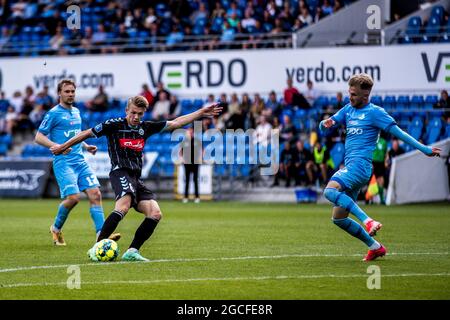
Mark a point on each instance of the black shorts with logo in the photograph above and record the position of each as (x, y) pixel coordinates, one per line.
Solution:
(125, 181)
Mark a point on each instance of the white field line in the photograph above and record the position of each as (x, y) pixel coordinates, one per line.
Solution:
(137, 282)
(215, 259)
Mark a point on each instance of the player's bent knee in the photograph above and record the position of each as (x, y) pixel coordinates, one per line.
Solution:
(156, 215)
(73, 199)
(124, 209)
(95, 196)
(331, 194)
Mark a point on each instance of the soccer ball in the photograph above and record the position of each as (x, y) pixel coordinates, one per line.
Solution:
(106, 250)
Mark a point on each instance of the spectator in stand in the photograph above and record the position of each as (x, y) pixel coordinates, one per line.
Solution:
(175, 107)
(286, 16)
(228, 35)
(289, 93)
(257, 106)
(287, 169)
(337, 6)
(160, 88)
(320, 161)
(37, 115)
(234, 106)
(274, 105)
(304, 165)
(86, 41)
(150, 18)
(288, 133)
(121, 38)
(10, 120)
(327, 9)
(262, 132)
(293, 98)
(100, 101)
(46, 99)
(199, 15)
(147, 93)
(444, 103)
(17, 102)
(4, 39)
(236, 118)
(209, 99)
(224, 102)
(218, 12)
(176, 36)
(57, 40)
(311, 93)
(339, 101)
(248, 21)
(304, 17)
(234, 21)
(318, 15)
(161, 108)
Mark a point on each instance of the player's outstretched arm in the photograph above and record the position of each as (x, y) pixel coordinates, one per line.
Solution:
(83, 135)
(402, 135)
(209, 111)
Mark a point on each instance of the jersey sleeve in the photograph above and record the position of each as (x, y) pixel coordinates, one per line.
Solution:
(104, 128)
(382, 119)
(152, 127)
(47, 124)
(339, 117)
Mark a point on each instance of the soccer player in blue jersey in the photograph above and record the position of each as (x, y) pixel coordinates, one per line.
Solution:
(72, 172)
(363, 121)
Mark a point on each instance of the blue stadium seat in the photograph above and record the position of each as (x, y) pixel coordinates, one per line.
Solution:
(337, 154)
(446, 132)
(438, 12)
(413, 28)
(431, 99)
(3, 149)
(415, 127)
(432, 30)
(377, 100)
(433, 132)
(6, 139)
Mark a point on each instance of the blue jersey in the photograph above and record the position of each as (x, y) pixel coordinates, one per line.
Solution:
(363, 128)
(61, 124)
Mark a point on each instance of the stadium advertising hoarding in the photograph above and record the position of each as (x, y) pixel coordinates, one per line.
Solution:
(23, 179)
(101, 163)
(394, 68)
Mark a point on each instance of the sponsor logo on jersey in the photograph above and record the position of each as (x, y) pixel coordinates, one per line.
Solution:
(133, 144)
(352, 131)
(71, 133)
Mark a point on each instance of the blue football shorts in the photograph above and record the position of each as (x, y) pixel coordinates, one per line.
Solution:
(74, 178)
(355, 175)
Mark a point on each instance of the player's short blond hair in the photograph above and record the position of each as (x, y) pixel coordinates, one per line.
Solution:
(138, 101)
(362, 81)
(63, 82)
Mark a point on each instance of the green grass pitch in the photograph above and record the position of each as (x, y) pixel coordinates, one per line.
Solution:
(227, 250)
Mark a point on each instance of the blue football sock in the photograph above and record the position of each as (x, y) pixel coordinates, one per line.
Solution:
(98, 217)
(355, 229)
(61, 217)
(344, 201)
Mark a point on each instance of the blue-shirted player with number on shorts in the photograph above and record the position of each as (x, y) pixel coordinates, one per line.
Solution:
(72, 172)
(363, 121)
